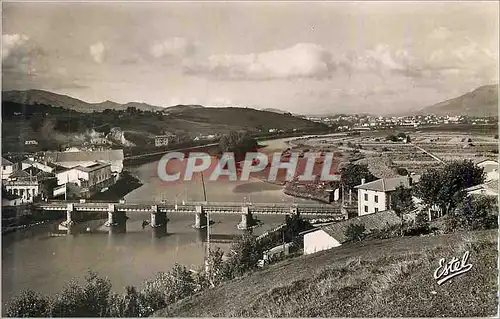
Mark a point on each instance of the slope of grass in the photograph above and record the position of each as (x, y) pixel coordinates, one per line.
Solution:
(388, 278)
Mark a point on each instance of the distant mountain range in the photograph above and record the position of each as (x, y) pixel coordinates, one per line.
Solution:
(32, 97)
(483, 101)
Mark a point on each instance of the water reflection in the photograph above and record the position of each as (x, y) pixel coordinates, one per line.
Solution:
(119, 228)
(158, 232)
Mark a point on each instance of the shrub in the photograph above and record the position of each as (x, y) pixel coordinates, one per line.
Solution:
(28, 304)
(246, 252)
(473, 213)
(355, 232)
(402, 171)
(388, 231)
(391, 138)
(92, 300)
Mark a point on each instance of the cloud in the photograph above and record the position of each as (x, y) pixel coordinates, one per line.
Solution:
(19, 53)
(380, 60)
(303, 60)
(11, 42)
(97, 51)
(173, 47)
(440, 33)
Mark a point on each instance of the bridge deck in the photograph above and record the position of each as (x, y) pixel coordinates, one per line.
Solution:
(212, 207)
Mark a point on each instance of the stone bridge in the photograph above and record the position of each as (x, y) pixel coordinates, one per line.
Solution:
(117, 211)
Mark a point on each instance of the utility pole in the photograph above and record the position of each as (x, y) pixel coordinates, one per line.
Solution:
(207, 255)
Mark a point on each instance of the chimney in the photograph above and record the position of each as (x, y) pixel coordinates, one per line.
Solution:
(362, 181)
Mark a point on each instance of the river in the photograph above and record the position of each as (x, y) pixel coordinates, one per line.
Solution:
(44, 259)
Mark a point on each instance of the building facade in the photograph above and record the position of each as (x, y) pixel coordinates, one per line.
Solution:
(7, 168)
(90, 179)
(375, 196)
(318, 240)
(334, 234)
(26, 189)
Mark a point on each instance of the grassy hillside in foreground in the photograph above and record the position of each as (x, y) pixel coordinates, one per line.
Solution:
(387, 278)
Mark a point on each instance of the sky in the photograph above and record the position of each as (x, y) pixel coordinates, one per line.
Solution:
(303, 57)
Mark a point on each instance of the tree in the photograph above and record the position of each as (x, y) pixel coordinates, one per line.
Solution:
(355, 232)
(391, 138)
(402, 202)
(441, 186)
(28, 304)
(173, 286)
(92, 300)
(473, 213)
(351, 175)
(246, 252)
(402, 171)
(238, 143)
(218, 269)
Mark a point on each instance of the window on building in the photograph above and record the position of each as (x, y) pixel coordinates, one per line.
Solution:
(376, 209)
(366, 197)
(376, 198)
(366, 209)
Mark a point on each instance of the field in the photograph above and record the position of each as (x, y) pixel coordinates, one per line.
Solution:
(386, 278)
(426, 149)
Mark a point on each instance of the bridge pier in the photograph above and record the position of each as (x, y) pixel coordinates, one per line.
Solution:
(70, 209)
(200, 218)
(246, 218)
(111, 215)
(158, 219)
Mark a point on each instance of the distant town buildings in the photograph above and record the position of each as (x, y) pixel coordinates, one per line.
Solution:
(368, 122)
(162, 140)
(31, 142)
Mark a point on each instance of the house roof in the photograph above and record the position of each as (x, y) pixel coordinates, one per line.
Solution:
(491, 186)
(93, 167)
(488, 165)
(6, 162)
(389, 184)
(81, 156)
(371, 221)
(32, 170)
(20, 174)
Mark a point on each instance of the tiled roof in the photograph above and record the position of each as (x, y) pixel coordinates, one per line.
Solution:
(94, 167)
(491, 186)
(20, 174)
(389, 184)
(32, 170)
(371, 221)
(6, 162)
